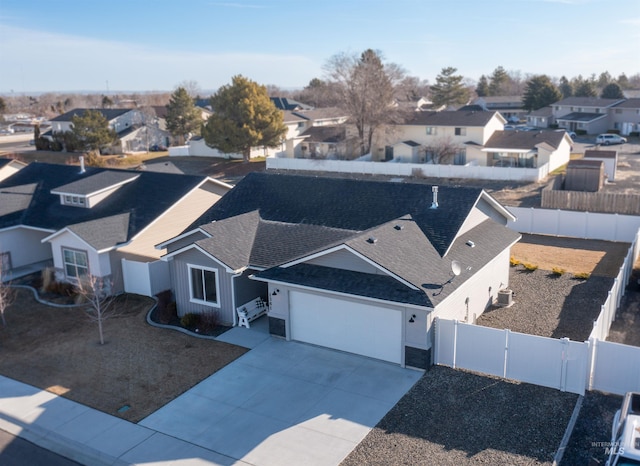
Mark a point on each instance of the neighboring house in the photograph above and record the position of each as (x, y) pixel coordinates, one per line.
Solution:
(625, 116)
(134, 133)
(524, 149)
(360, 266)
(285, 103)
(9, 166)
(509, 106)
(584, 115)
(433, 129)
(323, 142)
(93, 220)
(541, 118)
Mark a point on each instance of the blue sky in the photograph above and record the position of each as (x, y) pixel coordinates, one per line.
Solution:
(155, 45)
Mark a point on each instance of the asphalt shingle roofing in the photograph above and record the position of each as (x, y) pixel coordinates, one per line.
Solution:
(268, 220)
(524, 139)
(142, 200)
(582, 116)
(449, 118)
(108, 113)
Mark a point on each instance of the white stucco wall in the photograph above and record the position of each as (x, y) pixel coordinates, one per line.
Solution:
(25, 246)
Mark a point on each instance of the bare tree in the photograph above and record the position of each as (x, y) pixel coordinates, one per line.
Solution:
(96, 292)
(442, 151)
(367, 89)
(6, 294)
(192, 87)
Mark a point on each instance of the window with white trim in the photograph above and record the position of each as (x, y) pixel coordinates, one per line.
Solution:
(75, 262)
(203, 285)
(461, 131)
(432, 130)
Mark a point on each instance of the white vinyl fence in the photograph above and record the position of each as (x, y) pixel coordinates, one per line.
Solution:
(408, 169)
(563, 364)
(145, 278)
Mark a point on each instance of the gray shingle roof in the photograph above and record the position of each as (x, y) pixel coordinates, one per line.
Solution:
(96, 182)
(449, 118)
(108, 113)
(629, 103)
(103, 232)
(327, 134)
(144, 199)
(600, 154)
(587, 102)
(524, 139)
(583, 117)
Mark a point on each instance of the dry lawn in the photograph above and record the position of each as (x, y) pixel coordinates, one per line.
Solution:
(600, 258)
(139, 366)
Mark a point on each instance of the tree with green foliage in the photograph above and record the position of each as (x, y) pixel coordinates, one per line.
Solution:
(449, 88)
(90, 131)
(498, 81)
(623, 81)
(482, 89)
(585, 88)
(106, 102)
(540, 92)
(565, 87)
(612, 91)
(604, 79)
(183, 118)
(243, 117)
(3, 106)
(368, 89)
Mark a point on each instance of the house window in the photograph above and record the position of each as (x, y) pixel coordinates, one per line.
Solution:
(73, 200)
(203, 285)
(76, 264)
(431, 130)
(301, 124)
(461, 131)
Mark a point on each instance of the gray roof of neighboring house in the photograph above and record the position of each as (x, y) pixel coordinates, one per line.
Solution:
(289, 116)
(600, 154)
(108, 113)
(629, 103)
(524, 139)
(321, 113)
(327, 134)
(269, 219)
(582, 163)
(449, 118)
(500, 99)
(285, 103)
(583, 117)
(542, 112)
(587, 102)
(141, 201)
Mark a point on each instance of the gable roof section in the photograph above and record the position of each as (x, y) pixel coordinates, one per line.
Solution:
(101, 233)
(16, 199)
(524, 140)
(582, 117)
(109, 113)
(450, 118)
(144, 199)
(633, 103)
(588, 102)
(326, 134)
(96, 183)
(341, 203)
(284, 103)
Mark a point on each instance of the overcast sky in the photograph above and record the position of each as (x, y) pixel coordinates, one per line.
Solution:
(154, 45)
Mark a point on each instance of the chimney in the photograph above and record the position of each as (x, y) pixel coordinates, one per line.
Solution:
(434, 190)
(82, 170)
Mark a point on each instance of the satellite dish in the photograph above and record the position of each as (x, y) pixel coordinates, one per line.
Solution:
(456, 268)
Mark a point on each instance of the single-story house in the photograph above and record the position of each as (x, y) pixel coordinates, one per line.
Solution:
(91, 221)
(524, 149)
(359, 266)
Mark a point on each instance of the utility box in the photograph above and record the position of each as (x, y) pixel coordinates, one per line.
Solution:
(505, 298)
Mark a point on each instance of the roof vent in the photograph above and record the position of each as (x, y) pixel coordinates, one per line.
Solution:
(399, 227)
(372, 240)
(82, 169)
(471, 244)
(434, 203)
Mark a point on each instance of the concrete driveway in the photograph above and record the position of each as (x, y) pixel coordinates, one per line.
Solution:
(285, 403)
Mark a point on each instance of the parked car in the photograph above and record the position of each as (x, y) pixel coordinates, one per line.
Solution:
(157, 148)
(571, 134)
(624, 448)
(607, 139)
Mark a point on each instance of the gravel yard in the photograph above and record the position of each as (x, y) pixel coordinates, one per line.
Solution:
(454, 417)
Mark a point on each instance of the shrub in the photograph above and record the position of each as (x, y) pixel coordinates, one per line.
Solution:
(166, 308)
(190, 320)
(557, 271)
(582, 275)
(209, 321)
(530, 267)
(514, 262)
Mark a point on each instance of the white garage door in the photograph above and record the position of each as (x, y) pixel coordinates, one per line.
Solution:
(348, 326)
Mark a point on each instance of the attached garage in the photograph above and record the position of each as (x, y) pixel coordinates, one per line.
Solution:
(351, 326)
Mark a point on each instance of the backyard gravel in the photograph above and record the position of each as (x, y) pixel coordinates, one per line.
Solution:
(454, 417)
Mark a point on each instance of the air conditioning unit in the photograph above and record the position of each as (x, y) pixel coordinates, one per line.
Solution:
(505, 298)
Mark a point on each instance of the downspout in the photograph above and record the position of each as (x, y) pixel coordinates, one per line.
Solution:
(233, 297)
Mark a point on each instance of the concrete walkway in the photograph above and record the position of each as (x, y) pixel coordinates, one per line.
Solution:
(282, 403)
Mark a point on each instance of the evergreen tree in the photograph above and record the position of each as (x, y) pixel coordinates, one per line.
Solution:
(498, 81)
(183, 118)
(585, 88)
(243, 117)
(623, 81)
(566, 89)
(540, 92)
(90, 132)
(612, 91)
(449, 89)
(482, 89)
